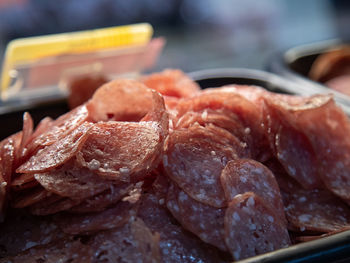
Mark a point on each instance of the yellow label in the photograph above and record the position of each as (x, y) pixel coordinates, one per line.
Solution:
(26, 50)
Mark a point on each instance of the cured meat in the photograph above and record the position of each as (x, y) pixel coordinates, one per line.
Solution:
(176, 244)
(252, 228)
(128, 178)
(112, 217)
(227, 99)
(27, 132)
(120, 100)
(23, 181)
(100, 201)
(58, 153)
(29, 198)
(292, 147)
(121, 150)
(82, 89)
(42, 127)
(7, 159)
(244, 175)
(22, 231)
(316, 210)
(204, 221)
(171, 82)
(194, 160)
(52, 205)
(63, 250)
(329, 138)
(131, 243)
(134, 148)
(58, 129)
(72, 181)
(220, 118)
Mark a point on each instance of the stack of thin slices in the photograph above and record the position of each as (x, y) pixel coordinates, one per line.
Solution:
(157, 170)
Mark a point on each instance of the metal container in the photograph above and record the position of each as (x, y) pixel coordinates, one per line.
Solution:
(334, 248)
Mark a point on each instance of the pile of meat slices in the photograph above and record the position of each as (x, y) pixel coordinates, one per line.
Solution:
(157, 170)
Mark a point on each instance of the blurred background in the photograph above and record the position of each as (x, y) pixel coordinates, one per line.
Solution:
(200, 33)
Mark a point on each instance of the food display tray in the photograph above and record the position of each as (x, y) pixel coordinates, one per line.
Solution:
(335, 248)
(295, 64)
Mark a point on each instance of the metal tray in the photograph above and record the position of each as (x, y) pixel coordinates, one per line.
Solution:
(295, 63)
(335, 248)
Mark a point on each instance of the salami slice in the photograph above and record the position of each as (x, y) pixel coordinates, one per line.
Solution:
(316, 210)
(22, 231)
(220, 118)
(58, 129)
(113, 217)
(328, 137)
(7, 159)
(100, 201)
(29, 198)
(176, 244)
(64, 250)
(120, 100)
(43, 126)
(72, 181)
(227, 99)
(252, 228)
(292, 147)
(119, 150)
(171, 82)
(27, 132)
(332, 145)
(204, 221)
(245, 175)
(127, 150)
(58, 153)
(57, 204)
(23, 181)
(131, 243)
(195, 158)
(81, 89)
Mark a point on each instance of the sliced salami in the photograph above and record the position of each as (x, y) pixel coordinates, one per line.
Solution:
(58, 153)
(328, 137)
(316, 210)
(292, 147)
(23, 181)
(171, 82)
(60, 204)
(131, 243)
(29, 198)
(27, 133)
(58, 129)
(252, 228)
(113, 217)
(72, 181)
(7, 159)
(121, 150)
(120, 100)
(176, 244)
(101, 201)
(220, 118)
(204, 221)
(195, 158)
(127, 150)
(43, 126)
(245, 175)
(22, 231)
(227, 99)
